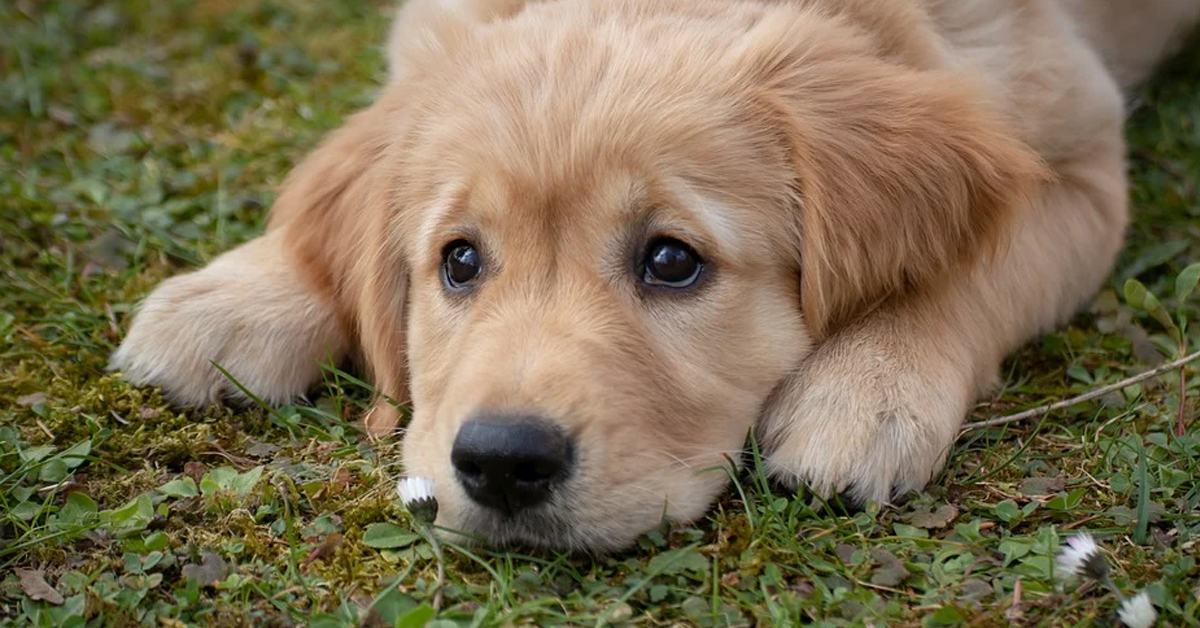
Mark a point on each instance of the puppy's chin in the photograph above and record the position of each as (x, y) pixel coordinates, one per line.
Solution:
(544, 528)
(571, 522)
(551, 526)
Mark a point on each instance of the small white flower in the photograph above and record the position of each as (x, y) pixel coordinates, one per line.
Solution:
(1083, 557)
(412, 489)
(417, 495)
(1137, 611)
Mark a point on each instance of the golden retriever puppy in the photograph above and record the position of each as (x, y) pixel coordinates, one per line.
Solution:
(595, 242)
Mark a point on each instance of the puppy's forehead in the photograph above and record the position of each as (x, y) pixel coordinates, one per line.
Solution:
(498, 199)
(528, 144)
(499, 196)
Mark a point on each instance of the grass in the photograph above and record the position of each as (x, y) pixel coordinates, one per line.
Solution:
(142, 137)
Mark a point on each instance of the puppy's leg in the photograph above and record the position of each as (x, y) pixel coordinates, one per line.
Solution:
(875, 410)
(249, 311)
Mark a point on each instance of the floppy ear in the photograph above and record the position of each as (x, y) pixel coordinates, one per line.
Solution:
(382, 302)
(902, 174)
(332, 210)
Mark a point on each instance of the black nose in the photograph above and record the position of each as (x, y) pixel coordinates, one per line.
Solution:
(510, 463)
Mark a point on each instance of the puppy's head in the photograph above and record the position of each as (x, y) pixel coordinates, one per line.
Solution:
(594, 242)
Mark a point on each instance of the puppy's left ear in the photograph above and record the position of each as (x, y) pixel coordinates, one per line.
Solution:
(335, 213)
(902, 174)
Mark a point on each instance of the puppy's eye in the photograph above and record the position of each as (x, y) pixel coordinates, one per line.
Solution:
(461, 264)
(671, 263)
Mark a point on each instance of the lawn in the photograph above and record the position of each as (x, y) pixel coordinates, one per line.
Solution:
(139, 138)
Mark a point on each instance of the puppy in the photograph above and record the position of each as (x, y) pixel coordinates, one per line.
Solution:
(595, 242)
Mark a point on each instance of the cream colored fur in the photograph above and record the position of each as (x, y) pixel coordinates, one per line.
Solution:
(893, 195)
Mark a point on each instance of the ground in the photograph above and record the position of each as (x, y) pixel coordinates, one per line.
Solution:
(139, 138)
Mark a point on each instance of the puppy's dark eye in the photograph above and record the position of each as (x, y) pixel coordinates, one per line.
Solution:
(671, 263)
(461, 264)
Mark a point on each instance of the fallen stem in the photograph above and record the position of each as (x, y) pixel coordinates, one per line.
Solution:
(1088, 396)
(1181, 423)
(431, 536)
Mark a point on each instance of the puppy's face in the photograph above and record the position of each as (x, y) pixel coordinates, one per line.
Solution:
(586, 349)
(597, 308)
(593, 230)
(597, 304)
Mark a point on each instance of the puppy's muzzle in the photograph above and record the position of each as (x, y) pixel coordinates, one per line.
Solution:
(510, 463)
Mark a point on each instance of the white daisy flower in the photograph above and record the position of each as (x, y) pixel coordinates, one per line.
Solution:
(417, 495)
(1082, 557)
(1137, 611)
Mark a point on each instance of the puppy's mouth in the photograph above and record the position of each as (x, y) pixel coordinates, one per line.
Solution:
(546, 527)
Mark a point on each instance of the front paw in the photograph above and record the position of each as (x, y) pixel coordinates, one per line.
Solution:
(868, 414)
(177, 335)
(247, 312)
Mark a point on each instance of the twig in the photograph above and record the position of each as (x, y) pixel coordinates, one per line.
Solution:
(45, 429)
(1076, 524)
(55, 487)
(112, 321)
(1088, 396)
(1014, 613)
(1181, 423)
(245, 463)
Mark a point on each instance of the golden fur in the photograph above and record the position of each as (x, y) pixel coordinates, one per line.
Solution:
(891, 196)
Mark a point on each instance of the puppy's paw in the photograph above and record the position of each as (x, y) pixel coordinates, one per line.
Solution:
(868, 415)
(247, 312)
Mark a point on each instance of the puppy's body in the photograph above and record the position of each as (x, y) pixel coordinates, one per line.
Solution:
(885, 198)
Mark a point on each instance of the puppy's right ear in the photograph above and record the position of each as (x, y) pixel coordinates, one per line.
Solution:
(333, 210)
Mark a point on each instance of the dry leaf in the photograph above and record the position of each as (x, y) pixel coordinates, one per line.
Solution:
(259, 449)
(976, 589)
(33, 583)
(1042, 485)
(325, 550)
(211, 570)
(1144, 348)
(891, 570)
(939, 518)
(804, 588)
(31, 400)
(195, 470)
(845, 553)
(62, 116)
(341, 478)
